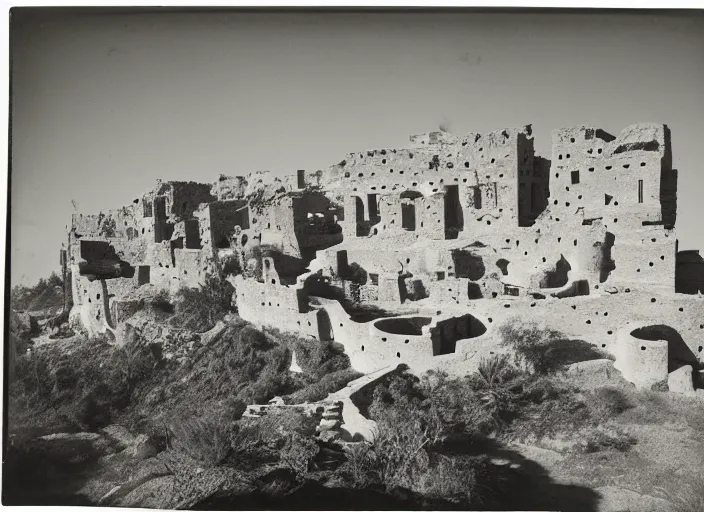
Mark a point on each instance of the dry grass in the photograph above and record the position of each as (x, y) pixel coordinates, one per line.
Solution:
(689, 497)
(204, 438)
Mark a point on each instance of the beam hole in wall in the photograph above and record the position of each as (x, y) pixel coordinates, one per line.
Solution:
(652, 300)
(608, 167)
(589, 321)
(626, 166)
(398, 354)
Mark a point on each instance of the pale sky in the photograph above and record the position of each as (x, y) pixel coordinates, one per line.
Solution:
(104, 104)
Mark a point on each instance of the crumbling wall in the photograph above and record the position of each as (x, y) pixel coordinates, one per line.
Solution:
(485, 169)
(186, 196)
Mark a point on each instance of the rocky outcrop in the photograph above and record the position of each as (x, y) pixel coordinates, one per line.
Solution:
(595, 373)
(681, 381)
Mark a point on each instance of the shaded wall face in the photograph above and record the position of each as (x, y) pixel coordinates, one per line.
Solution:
(224, 216)
(315, 223)
(689, 273)
(186, 197)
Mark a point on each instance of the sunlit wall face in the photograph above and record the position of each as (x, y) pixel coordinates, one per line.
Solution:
(104, 104)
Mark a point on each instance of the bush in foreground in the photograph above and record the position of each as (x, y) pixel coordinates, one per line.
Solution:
(199, 309)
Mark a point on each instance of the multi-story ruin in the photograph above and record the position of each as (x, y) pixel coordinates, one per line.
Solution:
(418, 255)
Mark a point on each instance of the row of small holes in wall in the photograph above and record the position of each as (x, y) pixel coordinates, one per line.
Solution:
(384, 339)
(651, 264)
(415, 184)
(298, 322)
(431, 165)
(398, 354)
(606, 167)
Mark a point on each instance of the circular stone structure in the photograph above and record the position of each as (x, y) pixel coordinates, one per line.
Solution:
(409, 326)
(641, 357)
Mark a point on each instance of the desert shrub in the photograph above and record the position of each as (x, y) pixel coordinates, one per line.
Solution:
(33, 381)
(453, 478)
(689, 496)
(204, 438)
(548, 406)
(199, 309)
(329, 383)
(359, 464)
(536, 347)
(498, 386)
(648, 407)
(315, 357)
(298, 453)
(356, 274)
(231, 265)
(607, 402)
(242, 363)
(283, 422)
(459, 406)
(270, 437)
(601, 438)
(85, 385)
(407, 427)
(481, 403)
(661, 386)
(46, 293)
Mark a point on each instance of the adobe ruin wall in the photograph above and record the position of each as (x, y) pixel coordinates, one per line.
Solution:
(465, 232)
